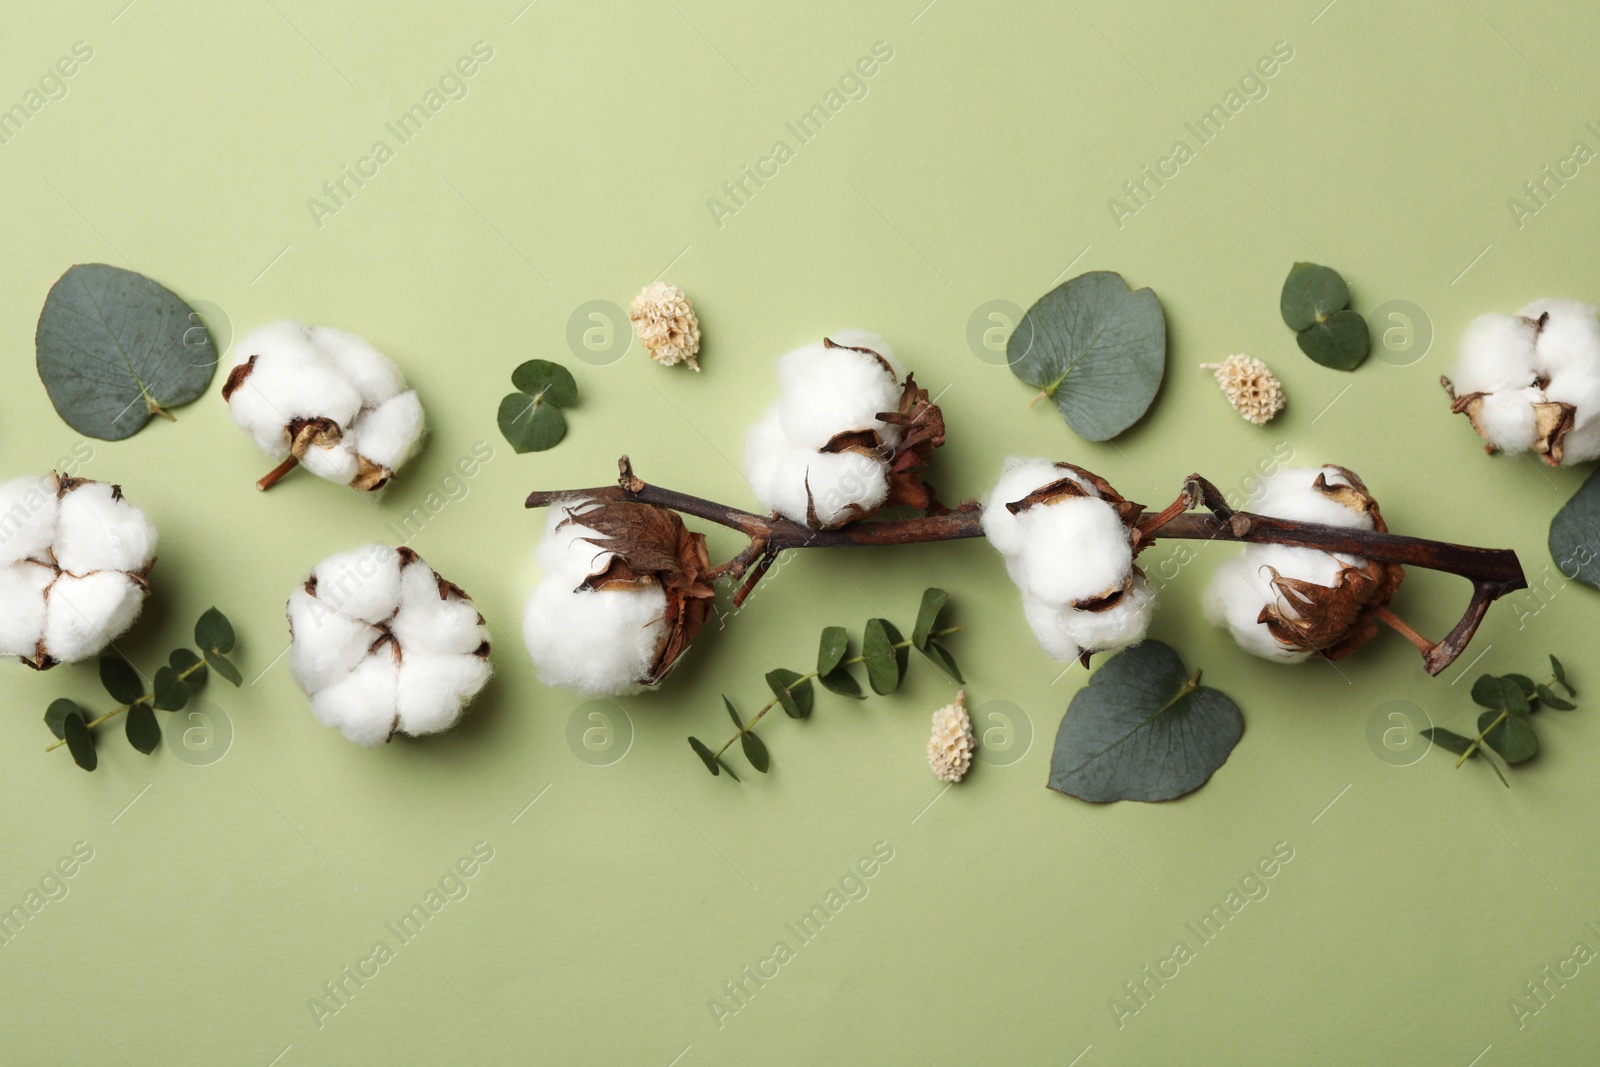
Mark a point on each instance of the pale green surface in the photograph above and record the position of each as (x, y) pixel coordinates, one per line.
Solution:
(978, 168)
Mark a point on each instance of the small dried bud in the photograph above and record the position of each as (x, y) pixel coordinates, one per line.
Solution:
(952, 744)
(665, 321)
(1250, 387)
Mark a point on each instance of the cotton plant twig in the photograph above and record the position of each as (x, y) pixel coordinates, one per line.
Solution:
(1492, 572)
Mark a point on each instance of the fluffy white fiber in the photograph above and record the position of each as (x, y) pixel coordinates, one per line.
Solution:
(382, 645)
(287, 374)
(824, 392)
(1242, 587)
(1073, 548)
(73, 561)
(594, 642)
(1548, 353)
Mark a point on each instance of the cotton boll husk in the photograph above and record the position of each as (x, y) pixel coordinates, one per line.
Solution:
(97, 530)
(326, 645)
(432, 625)
(1496, 353)
(363, 583)
(1018, 478)
(432, 690)
(1242, 586)
(1290, 493)
(563, 551)
(27, 518)
(22, 587)
(855, 337)
(836, 480)
(595, 643)
(85, 613)
(1073, 549)
(362, 704)
(827, 391)
(373, 374)
(389, 434)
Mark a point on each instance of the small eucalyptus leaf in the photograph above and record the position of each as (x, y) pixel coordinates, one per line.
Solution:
(705, 755)
(57, 713)
(220, 663)
(80, 742)
(933, 601)
(1548, 696)
(1513, 738)
(114, 348)
(144, 733)
(120, 679)
(531, 423)
(1311, 293)
(732, 714)
(181, 660)
(841, 681)
(1499, 694)
(941, 657)
(885, 663)
(835, 642)
(796, 699)
(755, 750)
(170, 692)
(1342, 342)
(1450, 741)
(213, 631)
(550, 381)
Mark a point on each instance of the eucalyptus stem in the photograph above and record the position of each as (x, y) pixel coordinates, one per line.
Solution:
(1477, 742)
(749, 727)
(149, 697)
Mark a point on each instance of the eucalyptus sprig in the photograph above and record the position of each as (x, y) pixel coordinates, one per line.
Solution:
(1505, 726)
(169, 690)
(883, 651)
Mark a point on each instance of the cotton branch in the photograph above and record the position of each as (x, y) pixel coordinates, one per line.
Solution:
(1492, 572)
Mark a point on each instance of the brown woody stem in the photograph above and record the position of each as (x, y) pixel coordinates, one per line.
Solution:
(1493, 572)
(275, 475)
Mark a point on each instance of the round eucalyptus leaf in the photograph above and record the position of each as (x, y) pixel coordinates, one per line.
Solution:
(144, 733)
(1340, 342)
(1575, 537)
(114, 347)
(1097, 349)
(1513, 738)
(552, 381)
(1143, 729)
(1312, 293)
(213, 631)
(530, 423)
(80, 742)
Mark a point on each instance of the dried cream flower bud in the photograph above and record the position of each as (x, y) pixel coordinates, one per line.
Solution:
(951, 746)
(1250, 387)
(664, 319)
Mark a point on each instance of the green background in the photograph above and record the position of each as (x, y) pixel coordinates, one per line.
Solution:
(977, 168)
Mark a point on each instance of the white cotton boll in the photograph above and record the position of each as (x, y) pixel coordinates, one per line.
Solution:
(325, 645)
(765, 448)
(84, 614)
(563, 550)
(97, 530)
(431, 624)
(1048, 623)
(336, 462)
(1506, 419)
(1065, 633)
(291, 379)
(1582, 444)
(1569, 338)
(1018, 478)
(389, 435)
(827, 391)
(362, 704)
(363, 583)
(1496, 353)
(22, 593)
(594, 643)
(842, 485)
(27, 518)
(1073, 549)
(373, 374)
(1291, 493)
(855, 337)
(431, 690)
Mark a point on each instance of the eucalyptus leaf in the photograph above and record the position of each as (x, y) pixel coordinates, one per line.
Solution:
(1523, 682)
(58, 711)
(531, 424)
(1561, 676)
(724, 765)
(1097, 349)
(841, 681)
(705, 755)
(1342, 342)
(114, 348)
(796, 701)
(1311, 293)
(835, 642)
(733, 714)
(1548, 696)
(120, 679)
(942, 658)
(224, 667)
(1575, 534)
(885, 663)
(169, 691)
(1449, 740)
(80, 742)
(755, 750)
(182, 659)
(144, 733)
(1143, 729)
(1513, 738)
(933, 601)
(550, 381)
(213, 631)
(1499, 694)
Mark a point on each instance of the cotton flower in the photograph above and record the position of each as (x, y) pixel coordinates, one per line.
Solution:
(623, 594)
(383, 645)
(328, 399)
(74, 562)
(845, 437)
(951, 746)
(1286, 603)
(665, 321)
(1250, 386)
(1068, 539)
(1531, 381)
